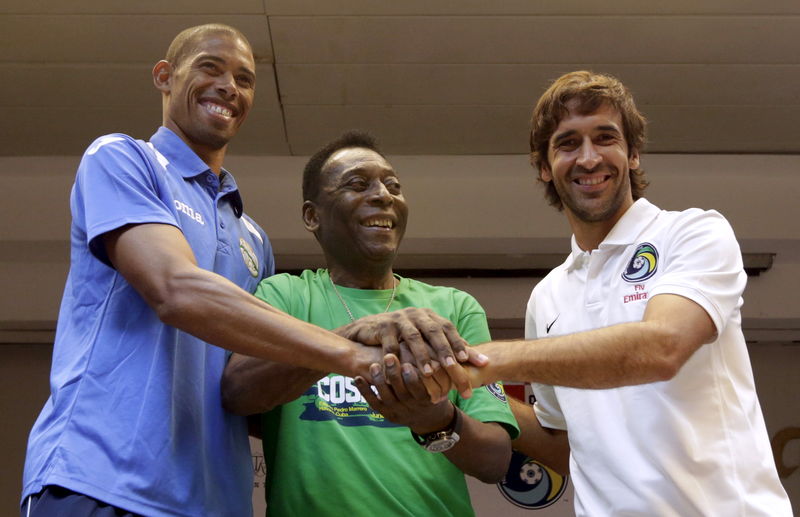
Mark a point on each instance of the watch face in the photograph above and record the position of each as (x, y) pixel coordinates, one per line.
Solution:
(444, 442)
(441, 445)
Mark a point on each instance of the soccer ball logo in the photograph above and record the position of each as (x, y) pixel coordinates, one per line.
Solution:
(531, 473)
(530, 484)
(642, 265)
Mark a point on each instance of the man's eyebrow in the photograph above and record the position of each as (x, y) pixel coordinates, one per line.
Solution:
(564, 134)
(570, 132)
(608, 127)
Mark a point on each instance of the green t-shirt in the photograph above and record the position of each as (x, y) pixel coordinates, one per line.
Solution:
(329, 453)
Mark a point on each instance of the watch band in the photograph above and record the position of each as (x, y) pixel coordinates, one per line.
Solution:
(440, 441)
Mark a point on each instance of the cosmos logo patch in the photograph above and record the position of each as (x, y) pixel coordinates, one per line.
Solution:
(530, 484)
(497, 390)
(643, 264)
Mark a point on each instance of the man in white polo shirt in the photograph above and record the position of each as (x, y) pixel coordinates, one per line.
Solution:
(643, 385)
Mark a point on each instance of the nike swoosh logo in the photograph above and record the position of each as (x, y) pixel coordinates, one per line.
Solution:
(548, 327)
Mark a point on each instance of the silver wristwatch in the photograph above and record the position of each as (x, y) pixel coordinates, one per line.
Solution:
(440, 441)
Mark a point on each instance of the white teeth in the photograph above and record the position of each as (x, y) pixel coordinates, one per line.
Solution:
(219, 109)
(382, 223)
(591, 181)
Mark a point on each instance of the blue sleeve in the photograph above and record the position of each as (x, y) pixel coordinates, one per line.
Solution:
(116, 186)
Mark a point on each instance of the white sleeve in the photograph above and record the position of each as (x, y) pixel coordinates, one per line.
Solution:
(704, 265)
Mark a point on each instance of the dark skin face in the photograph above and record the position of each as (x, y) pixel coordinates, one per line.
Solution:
(359, 218)
(208, 95)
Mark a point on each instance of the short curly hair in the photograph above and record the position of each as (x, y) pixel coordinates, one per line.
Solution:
(591, 90)
(187, 40)
(313, 168)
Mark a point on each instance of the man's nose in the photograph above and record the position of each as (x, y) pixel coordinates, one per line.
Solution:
(226, 86)
(588, 157)
(378, 193)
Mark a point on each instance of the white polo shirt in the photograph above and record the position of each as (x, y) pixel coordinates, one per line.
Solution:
(695, 445)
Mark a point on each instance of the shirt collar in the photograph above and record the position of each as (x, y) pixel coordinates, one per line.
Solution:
(625, 232)
(229, 189)
(631, 224)
(185, 162)
(180, 156)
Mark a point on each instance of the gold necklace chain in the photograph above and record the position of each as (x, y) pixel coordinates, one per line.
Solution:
(347, 308)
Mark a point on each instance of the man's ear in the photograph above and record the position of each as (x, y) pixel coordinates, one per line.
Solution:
(545, 174)
(633, 159)
(310, 216)
(544, 171)
(162, 72)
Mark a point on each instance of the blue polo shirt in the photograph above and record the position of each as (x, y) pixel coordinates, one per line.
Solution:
(135, 417)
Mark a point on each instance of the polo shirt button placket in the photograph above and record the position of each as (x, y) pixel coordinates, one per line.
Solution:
(211, 181)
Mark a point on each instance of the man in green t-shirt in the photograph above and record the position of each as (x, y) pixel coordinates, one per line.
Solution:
(341, 446)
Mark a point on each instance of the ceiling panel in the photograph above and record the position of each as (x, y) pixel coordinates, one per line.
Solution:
(498, 84)
(103, 86)
(262, 133)
(452, 76)
(92, 100)
(526, 7)
(503, 129)
(413, 129)
(723, 129)
(112, 38)
(138, 7)
(68, 131)
(76, 84)
(536, 39)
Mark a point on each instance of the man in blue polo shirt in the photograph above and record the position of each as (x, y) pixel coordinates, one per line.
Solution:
(162, 263)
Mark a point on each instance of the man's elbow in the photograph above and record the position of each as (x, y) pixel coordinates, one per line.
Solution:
(673, 354)
(174, 301)
(495, 470)
(230, 399)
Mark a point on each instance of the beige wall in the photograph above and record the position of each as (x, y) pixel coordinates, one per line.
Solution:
(459, 204)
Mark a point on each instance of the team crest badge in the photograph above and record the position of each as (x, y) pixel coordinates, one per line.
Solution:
(642, 265)
(497, 390)
(249, 256)
(530, 484)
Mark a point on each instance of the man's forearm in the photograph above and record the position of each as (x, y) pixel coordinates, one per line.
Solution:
(251, 385)
(483, 450)
(621, 355)
(549, 446)
(217, 311)
(654, 349)
(158, 262)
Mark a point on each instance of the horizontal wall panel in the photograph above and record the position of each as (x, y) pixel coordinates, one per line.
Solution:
(413, 129)
(533, 39)
(521, 84)
(112, 38)
(137, 7)
(54, 131)
(526, 7)
(504, 129)
(102, 86)
(724, 129)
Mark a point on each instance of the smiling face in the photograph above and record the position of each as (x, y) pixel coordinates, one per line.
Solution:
(588, 162)
(360, 214)
(209, 92)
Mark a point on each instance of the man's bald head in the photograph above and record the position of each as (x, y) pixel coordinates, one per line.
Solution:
(186, 42)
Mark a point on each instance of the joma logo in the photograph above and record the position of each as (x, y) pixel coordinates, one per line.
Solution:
(186, 209)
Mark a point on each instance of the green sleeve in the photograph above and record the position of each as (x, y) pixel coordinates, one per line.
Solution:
(488, 403)
(276, 291)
